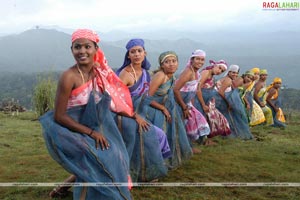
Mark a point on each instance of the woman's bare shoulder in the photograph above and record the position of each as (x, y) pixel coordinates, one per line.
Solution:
(159, 75)
(68, 77)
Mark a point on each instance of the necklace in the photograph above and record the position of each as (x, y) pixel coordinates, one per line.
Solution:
(194, 73)
(193, 69)
(134, 73)
(81, 74)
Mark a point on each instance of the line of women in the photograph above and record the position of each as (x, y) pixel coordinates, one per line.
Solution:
(262, 102)
(144, 123)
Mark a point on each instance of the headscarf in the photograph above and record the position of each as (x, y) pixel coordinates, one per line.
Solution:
(255, 70)
(263, 72)
(232, 68)
(250, 86)
(199, 53)
(213, 63)
(163, 56)
(275, 80)
(132, 43)
(196, 53)
(106, 79)
(85, 33)
(249, 73)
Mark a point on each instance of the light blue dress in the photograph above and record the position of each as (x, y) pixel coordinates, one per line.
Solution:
(77, 153)
(176, 133)
(147, 150)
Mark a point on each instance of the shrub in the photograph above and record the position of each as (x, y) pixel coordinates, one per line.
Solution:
(44, 95)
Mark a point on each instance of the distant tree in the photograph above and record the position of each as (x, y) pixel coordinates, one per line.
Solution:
(44, 95)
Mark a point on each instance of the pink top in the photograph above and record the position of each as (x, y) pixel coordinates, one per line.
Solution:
(209, 83)
(191, 86)
(80, 95)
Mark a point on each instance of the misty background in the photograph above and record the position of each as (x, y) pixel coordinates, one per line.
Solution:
(35, 37)
(44, 49)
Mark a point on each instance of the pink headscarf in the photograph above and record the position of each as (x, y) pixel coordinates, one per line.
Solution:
(85, 33)
(118, 91)
(213, 63)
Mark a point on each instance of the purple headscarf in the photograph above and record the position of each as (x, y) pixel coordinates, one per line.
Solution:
(132, 43)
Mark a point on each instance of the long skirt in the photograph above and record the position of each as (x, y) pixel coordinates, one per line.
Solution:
(146, 149)
(257, 115)
(176, 133)
(277, 122)
(236, 116)
(196, 125)
(77, 153)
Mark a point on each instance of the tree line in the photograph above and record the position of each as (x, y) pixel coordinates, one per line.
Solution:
(20, 87)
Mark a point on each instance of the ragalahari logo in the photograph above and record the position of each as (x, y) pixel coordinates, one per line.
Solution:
(288, 6)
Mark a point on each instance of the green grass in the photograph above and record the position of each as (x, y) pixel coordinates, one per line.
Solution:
(274, 156)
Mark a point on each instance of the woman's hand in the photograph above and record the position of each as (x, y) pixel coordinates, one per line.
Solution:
(205, 108)
(186, 113)
(248, 106)
(142, 122)
(167, 114)
(100, 140)
(261, 104)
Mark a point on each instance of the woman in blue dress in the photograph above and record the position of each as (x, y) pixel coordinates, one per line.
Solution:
(80, 133)
(147, 145)
(163, 111)
(228, 101)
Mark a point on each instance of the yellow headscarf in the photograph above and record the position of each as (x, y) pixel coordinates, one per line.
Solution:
(255, 70)
(277, 80)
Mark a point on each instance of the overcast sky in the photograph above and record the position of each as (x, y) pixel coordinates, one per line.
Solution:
(143, 15)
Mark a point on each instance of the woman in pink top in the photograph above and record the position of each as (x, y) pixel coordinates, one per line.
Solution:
(185, 89)
(202, 100)
(81, 134)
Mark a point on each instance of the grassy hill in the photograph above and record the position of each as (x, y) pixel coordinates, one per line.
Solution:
(273, 157)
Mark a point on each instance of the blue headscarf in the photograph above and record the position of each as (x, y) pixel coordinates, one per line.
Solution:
(134, 42)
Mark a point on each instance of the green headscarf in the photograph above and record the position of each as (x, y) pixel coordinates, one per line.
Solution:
(162, 57)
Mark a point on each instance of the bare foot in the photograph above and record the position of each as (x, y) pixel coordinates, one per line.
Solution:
(209, 142)
(62, 191)
(59, 192)
(196, 151)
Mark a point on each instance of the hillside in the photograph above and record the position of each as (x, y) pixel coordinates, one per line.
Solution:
(39, 50)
